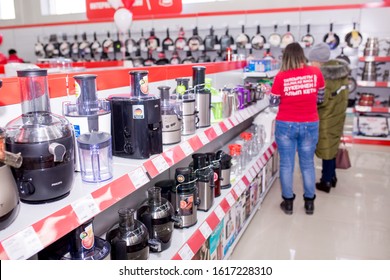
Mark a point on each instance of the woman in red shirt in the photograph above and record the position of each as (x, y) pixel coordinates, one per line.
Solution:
(296, 90)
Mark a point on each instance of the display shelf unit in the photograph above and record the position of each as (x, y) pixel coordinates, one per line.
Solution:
(370, 84)
(188, 241)
(374, 58)
(268, 74)
(37, 226)
(371, 109)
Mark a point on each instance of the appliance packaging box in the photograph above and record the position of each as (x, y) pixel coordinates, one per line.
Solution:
(229, 229)
(203, 252)
(254, 189)
(215, 242)
(240, 211)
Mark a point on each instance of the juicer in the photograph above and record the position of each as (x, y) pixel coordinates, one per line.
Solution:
(171, 118)
(203, 96)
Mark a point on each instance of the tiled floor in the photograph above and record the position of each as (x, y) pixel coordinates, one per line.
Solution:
(351, 222)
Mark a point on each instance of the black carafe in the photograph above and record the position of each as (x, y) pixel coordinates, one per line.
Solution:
(180, 41)
(167, 42)
(152, 43)
(136, 120)
(129, 238)
(204, 181)
(156, 214)
(65, 46)
(79, 244)
(171, 117)
(74, 49)
(226, 164)
(210, 41)
(202, 94)
(85, 49)
(216, 166)
(184, 198)
(195, 41)
(96, 48)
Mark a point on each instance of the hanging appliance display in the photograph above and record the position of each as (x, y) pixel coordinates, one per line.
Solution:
(184, 198)
(129, 238)
(136, 121)
(203, 96)
(95, 156)
(45, 141)
(9, 197)
(188, 106)
(171, 119)
(204, 175)
(156, 214)
(79, 244)
(88, 113)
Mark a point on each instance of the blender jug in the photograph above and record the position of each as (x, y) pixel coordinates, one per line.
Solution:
(95, 156)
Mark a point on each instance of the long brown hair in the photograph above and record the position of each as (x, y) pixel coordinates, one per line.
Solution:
(293, 57)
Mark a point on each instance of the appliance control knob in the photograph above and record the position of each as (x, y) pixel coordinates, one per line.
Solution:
(58, 151)
(26, 188)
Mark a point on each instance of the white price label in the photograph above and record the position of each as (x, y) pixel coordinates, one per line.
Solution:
(238, 190)
(160, 163)
(201, 47)
(233, 47)
(249, 177)
(138, 177)
(246, 114)
(388, 84)
(219, 212)
(230, 199)
(257, 168)
(22, 245)
(85, 208)
(159, 49)
(240, 117)
(253, 172)
(234, 120)
(363, 108)
(218, 130)
(203, 138)
(217, 47)
(171, 48)
(186, 48)
(187, 149)
(205, 230)
(242, 186)
(248, 46)
(369, 58)
(186, 253)
(228, 124)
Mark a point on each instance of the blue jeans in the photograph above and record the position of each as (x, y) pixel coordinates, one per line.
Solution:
(290, 137)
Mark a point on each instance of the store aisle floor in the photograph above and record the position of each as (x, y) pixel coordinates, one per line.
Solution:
(351, 222)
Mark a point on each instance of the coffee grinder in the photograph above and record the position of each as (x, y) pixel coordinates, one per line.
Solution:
(88, 113)
(204, 181)
(203, 96)
(188, 106)
(171, 118)
(136, 126)
(45, 141)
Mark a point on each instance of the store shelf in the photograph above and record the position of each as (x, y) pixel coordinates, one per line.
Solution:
(37, 226)
(366, 140)
(268, 74)
(374, 58)
(373, 84)
(188, 241)
(371, 109)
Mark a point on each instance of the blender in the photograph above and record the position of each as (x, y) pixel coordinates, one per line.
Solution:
(45, 140)
(136, 126)
(171, 119)
(203, 96)
(88, 113)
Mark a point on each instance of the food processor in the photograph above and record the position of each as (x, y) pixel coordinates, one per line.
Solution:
(156, 214)
(136, 126)
(88, 113)
(171, 118)
(45, 140)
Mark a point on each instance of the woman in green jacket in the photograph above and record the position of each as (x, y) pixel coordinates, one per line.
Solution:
(332, 111)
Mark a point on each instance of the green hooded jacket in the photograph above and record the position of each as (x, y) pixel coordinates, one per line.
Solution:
(332, 111)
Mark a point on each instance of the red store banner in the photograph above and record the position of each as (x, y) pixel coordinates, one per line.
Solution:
(102, 9)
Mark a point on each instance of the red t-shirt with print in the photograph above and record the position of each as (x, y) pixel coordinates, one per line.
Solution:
(298, 90)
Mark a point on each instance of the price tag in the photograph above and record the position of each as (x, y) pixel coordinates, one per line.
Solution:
(230, 199)
(257, 168)
(219, 212)
(369, 58)
(205, 230)
(186, 48)
(233, 47)
(22, 245)
(187, 149)
(248, 46)
(228, 124)
(159, 49)
(186, 253)
(217, 47)
(253, 172)
(218, 130)
(240, 117)
(160, 163)
(201, 47)
(138, 177)
(85, 208)
(234, 120)
(246, 114)
(238, 190)
(363, 108)
(242, 186)
(171, 48)
(203, 138)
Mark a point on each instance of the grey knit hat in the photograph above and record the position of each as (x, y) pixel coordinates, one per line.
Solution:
(320, 52)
